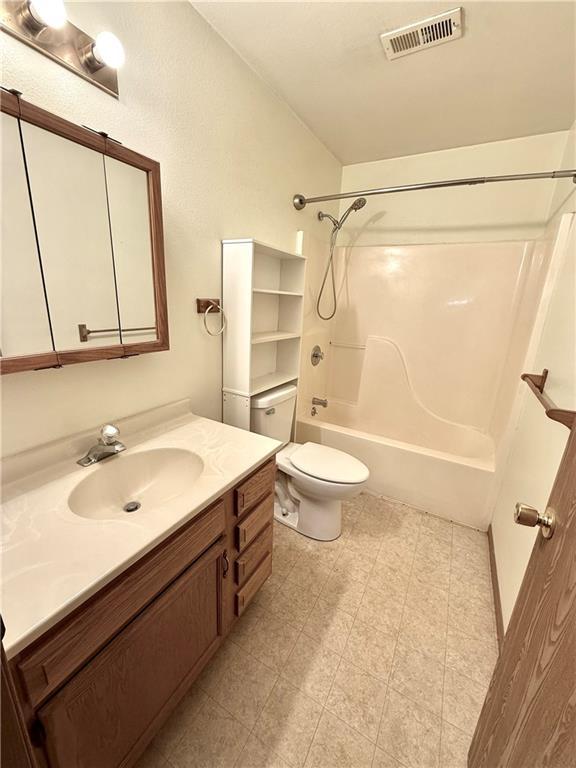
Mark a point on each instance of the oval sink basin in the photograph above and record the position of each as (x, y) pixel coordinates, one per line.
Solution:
(130, 484)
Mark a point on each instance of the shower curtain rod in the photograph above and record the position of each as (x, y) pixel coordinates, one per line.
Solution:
(300, 201)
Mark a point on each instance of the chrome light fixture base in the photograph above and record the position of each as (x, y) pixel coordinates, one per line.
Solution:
(67, 46)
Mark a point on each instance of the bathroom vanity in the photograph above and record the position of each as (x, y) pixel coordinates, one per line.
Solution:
(95, 684)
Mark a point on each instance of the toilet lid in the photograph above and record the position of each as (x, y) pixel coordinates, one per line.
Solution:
(329, 464)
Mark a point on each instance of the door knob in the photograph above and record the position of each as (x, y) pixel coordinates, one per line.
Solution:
(527, 515)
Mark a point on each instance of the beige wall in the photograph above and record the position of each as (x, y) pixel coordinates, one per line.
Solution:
(537, 444)
(232, 156)
(514, 211)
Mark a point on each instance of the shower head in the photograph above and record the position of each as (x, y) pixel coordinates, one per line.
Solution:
(360, 202)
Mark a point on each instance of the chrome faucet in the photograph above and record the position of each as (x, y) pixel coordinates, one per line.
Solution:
(320, 401)
(107, 445)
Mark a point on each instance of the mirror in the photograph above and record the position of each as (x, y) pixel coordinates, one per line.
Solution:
(68, 190)
(82, 250)
(128, 201)
(25, 328)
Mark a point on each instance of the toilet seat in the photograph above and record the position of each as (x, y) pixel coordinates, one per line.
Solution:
(328, 464)
(309, 503)
(284, 462)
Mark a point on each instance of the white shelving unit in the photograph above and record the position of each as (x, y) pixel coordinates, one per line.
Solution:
(263, 297)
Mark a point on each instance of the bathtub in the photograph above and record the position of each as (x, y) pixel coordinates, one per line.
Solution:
(453, 482)
(414, 454)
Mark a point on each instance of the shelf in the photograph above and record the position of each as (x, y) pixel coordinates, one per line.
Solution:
(264, 248)
(268, 336)
(277, 293)
(263, 290)
(270, 380)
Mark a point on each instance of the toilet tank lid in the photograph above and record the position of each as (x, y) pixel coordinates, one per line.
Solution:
(273, 396)
(329, 464)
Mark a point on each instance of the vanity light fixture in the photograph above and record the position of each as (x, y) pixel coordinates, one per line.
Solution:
(39, 14)
(44, 26)
(105, 51)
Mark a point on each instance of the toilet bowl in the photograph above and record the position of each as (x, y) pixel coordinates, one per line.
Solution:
(312, 479)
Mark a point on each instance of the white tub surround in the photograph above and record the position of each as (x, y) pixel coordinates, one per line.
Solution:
(54, 559)
(429, 413)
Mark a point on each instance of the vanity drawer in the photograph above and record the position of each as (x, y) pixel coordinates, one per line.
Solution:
(245, 595)
(249, 528)
(252, 490)
(249, 560)
(55, 657)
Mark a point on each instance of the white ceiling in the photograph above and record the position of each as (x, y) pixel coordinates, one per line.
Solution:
(511, 74)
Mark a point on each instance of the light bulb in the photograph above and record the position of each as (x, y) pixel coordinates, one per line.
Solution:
(48, 13)
(108, 50)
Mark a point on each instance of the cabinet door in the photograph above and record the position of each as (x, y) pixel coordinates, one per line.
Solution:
(16, 747)
(109, 709)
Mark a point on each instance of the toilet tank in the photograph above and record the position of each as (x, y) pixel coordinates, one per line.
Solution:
(272, 412)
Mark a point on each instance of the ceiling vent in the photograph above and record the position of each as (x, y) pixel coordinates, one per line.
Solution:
(423, 34)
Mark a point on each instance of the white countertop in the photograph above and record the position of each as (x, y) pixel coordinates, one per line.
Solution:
(53, 560)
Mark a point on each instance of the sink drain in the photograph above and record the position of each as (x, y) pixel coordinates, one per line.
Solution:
(132, 506)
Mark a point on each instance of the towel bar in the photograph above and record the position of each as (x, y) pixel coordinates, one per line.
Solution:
(536, 383)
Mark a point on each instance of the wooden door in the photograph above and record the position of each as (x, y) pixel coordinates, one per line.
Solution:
(106, 714)
(529, 716)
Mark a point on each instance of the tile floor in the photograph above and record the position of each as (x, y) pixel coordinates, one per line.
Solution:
(373, 651)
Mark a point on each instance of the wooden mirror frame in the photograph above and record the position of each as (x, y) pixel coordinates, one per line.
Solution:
(12, 104)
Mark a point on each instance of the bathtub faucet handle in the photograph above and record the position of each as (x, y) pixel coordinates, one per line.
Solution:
(320, 401)
(317, 355)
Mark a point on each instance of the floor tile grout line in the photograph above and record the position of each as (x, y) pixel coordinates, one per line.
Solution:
(278, 677)
(445, 655)
(341, 659)
(396, 642)
(352, 728)
(321, 713)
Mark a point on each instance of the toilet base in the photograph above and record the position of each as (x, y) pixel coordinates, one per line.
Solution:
(316, 520)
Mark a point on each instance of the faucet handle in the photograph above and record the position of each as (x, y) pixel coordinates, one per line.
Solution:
(109, 434)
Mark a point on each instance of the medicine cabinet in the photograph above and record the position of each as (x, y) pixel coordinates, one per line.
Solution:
(82, 244)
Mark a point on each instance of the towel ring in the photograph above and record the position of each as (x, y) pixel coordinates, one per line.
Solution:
(213, 305)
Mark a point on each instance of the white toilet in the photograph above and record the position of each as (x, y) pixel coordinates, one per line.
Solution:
(312, 479)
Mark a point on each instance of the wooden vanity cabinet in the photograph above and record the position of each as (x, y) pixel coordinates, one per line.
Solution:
(99, 717)
(96, 688)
